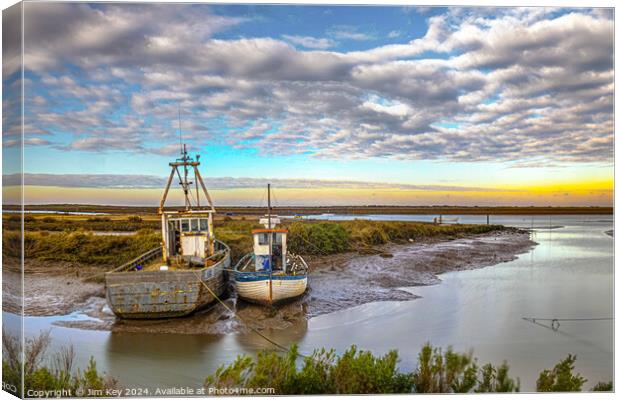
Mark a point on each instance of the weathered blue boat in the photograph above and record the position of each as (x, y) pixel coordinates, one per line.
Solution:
(183, 275)
(270, 274)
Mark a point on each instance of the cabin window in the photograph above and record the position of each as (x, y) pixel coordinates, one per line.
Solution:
(194, 225)
(263, 239)
(185, 225)
(204, 224)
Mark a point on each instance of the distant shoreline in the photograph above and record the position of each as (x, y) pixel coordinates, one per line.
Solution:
(305, 210)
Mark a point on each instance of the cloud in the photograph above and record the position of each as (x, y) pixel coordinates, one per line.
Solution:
(158, 182)
(310, 42)
(482, 84)
(345, 32)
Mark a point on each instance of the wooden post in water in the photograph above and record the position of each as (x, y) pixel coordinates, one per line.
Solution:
(487, 219)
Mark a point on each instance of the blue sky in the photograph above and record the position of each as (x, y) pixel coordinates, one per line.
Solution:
(468, 97)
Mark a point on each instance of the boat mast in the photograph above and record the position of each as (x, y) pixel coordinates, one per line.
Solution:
(270, 241)
(186, 162)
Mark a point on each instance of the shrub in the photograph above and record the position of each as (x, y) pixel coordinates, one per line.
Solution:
(59, 375)
(317, 238)
(353, 372)
(451, 372)
(561, 377)
(603, 387)
(360, 372)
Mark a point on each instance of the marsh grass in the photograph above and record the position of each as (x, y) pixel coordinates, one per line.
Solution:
(53, 241)
(80, 247)
(49, 372)
(74, 223)
(320, 238)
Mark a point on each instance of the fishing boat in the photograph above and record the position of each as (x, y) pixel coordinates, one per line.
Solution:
(187, 271)
(270, 274)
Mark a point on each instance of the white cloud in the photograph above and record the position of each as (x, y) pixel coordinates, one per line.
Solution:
(518, 83)
(345, 32)
(310, 42)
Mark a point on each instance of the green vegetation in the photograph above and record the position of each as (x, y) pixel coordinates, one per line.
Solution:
(324, 372)
(237, 234)
(66, 238)
(452, 372)
(561, 378)
(319, 238)
(80, 247)
(58, 375)
(361, 372)
(331, 237)
(72, 223)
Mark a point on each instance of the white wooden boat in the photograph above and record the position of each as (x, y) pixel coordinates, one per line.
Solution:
(270, 274)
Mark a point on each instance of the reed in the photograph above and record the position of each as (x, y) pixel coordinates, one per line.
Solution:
(68, 239)
(361, 372)
(73, 223)
(56, 375)
(79, 246)
(320, 238)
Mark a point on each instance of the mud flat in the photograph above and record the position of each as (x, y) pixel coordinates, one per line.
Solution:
(336, 282)
(50, 288)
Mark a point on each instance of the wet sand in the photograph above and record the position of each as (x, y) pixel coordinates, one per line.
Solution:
(51, 288)
(336, 282)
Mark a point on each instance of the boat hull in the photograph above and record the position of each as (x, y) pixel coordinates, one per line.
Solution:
(254, 287)
(165, 294)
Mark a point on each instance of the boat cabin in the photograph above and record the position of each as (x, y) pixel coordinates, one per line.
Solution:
(270, 246)
(188, 235)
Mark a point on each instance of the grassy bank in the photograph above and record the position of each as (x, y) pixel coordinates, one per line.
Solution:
(51, 223)
(332, 237)
(319, 238)
(305, 237)
(80, 247)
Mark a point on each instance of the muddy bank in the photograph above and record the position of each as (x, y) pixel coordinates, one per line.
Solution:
(348, 280)
(336, 282)
(50, 288)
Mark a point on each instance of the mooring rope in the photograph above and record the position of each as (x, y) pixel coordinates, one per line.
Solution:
(555, 322)
(280, 346)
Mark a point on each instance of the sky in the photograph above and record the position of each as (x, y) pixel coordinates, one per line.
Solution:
(331, 104)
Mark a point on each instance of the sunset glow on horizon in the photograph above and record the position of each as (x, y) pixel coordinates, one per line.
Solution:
(579, 194)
